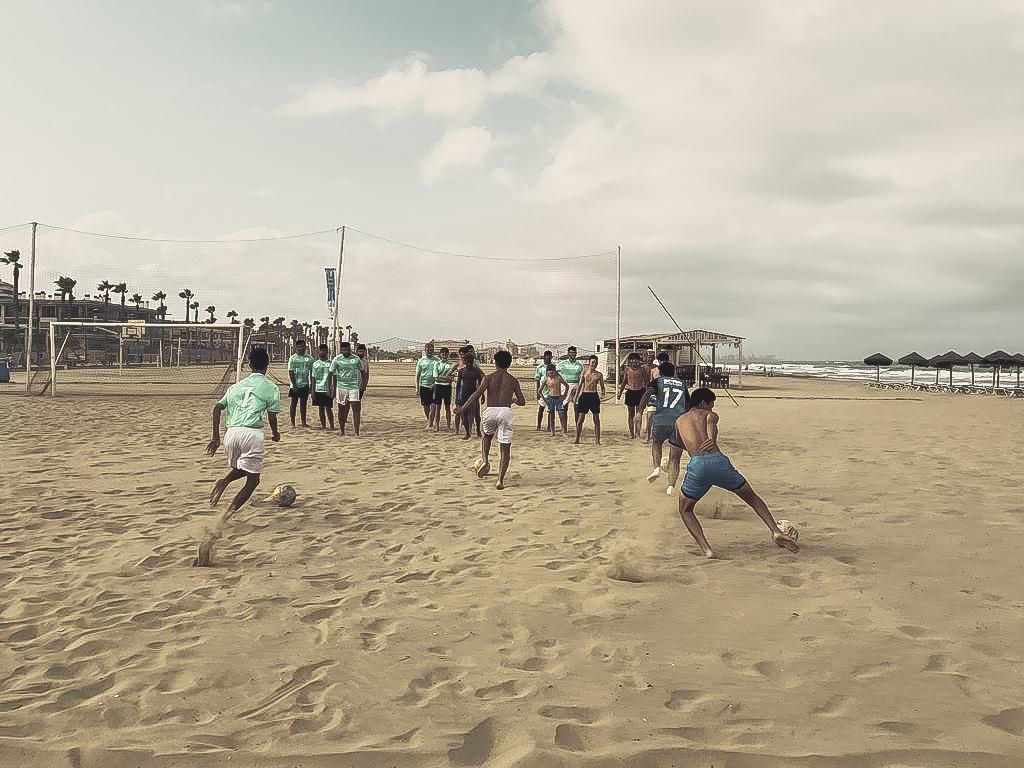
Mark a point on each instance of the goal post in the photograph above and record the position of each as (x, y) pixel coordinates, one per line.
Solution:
(128, 355)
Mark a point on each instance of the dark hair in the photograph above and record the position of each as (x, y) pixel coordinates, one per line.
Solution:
(593, 357)
(259, 359)
(667, 369)
(463, 350)
(360, 345)
(633, 356)
(468, 358)
(700, 396)
(300, 341)
(324, 348)
(663, 357)
(571, 349)
(503, 358)
(551, 367)
(443, 350)
(547, 352)
(345, 344)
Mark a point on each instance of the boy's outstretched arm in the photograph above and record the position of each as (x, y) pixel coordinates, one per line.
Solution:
(214, 443)
(520, 397)
(275, 435)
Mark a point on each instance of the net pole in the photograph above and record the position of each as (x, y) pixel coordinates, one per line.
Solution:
(53, 361)
(618, 313)
(31, 309)
(337, 291)
(238, 357)
(120, 351)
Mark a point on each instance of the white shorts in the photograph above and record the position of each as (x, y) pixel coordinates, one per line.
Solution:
(498, 420)
(346, 396)
(244, 447)
(572, 391)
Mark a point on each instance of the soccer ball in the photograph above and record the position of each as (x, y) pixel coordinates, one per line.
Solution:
(283, 495)
(477, 465)
(787, 527)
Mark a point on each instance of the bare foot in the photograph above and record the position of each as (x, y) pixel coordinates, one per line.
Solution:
(785, 542)
(710, 554)
(203, 559)
(218, 490)
(466, 437)
(483, 470)
(499, 486)
(575, 442)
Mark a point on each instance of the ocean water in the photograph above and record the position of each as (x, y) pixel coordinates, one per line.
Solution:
(851, 371)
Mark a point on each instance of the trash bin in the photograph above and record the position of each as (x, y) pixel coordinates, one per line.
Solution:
(5, 371)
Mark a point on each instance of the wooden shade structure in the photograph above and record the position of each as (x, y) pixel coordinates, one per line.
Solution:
(914, 360)
(997, 360)
(972, 359)
(1019, 357)
(877, 360)
(946, 361)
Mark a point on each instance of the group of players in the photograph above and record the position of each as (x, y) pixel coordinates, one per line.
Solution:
(684, 419)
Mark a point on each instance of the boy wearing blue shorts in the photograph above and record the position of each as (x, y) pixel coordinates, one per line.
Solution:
(697, 430)
(671, 399)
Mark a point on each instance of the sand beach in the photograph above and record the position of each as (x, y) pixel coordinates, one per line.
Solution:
(404, 613)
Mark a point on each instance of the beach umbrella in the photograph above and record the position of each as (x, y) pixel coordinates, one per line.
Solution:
(998, 359)
(913, 360)
(1019, 357)
(877, 360)
(972, 359)
(947, 360)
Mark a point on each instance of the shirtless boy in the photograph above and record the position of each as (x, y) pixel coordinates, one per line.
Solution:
(557, 390)
(634, 382)
(587, 399)
(708, 466)
(469, 378)
(502, 389)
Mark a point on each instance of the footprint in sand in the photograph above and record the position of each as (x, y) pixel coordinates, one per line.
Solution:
(375, 634)
(683, 699)
(1009, 720)
(506, 691)
(582, 715)
(834, 707)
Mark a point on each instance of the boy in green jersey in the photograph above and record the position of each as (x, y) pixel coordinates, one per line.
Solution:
(245, 402)
(539, 376)
(570, 370)
(299, 366)
(348, 371)
(443, 376)
(323, 387)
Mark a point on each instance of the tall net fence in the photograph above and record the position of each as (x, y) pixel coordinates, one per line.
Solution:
(391, 296)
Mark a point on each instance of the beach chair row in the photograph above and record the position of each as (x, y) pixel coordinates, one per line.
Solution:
(954, 389)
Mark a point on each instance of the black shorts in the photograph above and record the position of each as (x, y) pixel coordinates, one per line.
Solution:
(634, 397)
(588, 402)
(300, 392)
(426, 396)
(442, 394)
(323, 398)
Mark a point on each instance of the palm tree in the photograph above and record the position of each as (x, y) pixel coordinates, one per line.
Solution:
(234, 317)
(348, 328)
(161, 311)
(121, 288)
(249, 322)
(187, 296)
(13, 258)
(106, 287)
(265, 327)
(210, 310)
(354, 338)
(316, 328)
(195, 305)
(136, 299)
(279, 329)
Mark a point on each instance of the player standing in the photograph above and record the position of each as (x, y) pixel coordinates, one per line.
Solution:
(588, 400)
(540, 375)
(323, 387)
(635, 380)
(442, 390)
(347, 370)
(570, 369)
(299, 366)
(425, 379)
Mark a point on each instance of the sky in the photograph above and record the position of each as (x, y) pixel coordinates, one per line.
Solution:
(824, 179)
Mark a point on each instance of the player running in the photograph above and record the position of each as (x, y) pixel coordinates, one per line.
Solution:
(323, 387)
(245, 403)
(502, 389)
(671, 401)
(697, 430)
(588, 400)
(299, 366)
(347, 370)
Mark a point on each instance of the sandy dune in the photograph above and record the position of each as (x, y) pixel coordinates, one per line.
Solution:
(404, 613)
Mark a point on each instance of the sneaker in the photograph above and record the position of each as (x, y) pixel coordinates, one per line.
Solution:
(669, 489)
(654, 474)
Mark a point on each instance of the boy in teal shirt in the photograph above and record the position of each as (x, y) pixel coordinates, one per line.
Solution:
(571, 370)
(540, 375)
(299, 366)
(323, 387)
(245, 402)
(348, 375)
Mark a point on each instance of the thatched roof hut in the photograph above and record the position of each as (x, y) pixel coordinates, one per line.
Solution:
(914, 360)
(878, 360)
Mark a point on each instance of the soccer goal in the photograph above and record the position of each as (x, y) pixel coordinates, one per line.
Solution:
(137, 357)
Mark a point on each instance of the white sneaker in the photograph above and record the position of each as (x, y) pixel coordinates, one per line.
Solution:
(669, 489)
(654, 474)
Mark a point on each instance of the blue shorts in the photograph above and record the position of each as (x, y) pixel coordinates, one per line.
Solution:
(555, 403)
(707, 469)
(663, 432)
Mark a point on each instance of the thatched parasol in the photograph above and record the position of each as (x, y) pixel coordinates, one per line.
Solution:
(913, 360)
(998, 359)
(947, 360)
(877, 360)
(1019, 357)
(972, 359)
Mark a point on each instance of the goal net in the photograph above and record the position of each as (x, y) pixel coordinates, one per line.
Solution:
(141, 358)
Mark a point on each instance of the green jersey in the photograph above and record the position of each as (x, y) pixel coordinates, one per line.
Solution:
(443, 370)
(425, 370)
(347, 371)
(300, 365)
(571, 370)
(541, 372)
(247, 400)
(321, 373)
(670, 398)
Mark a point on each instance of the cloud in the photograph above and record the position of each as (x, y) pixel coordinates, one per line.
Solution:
(232, 11)
(458, 150)
(412, 89)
